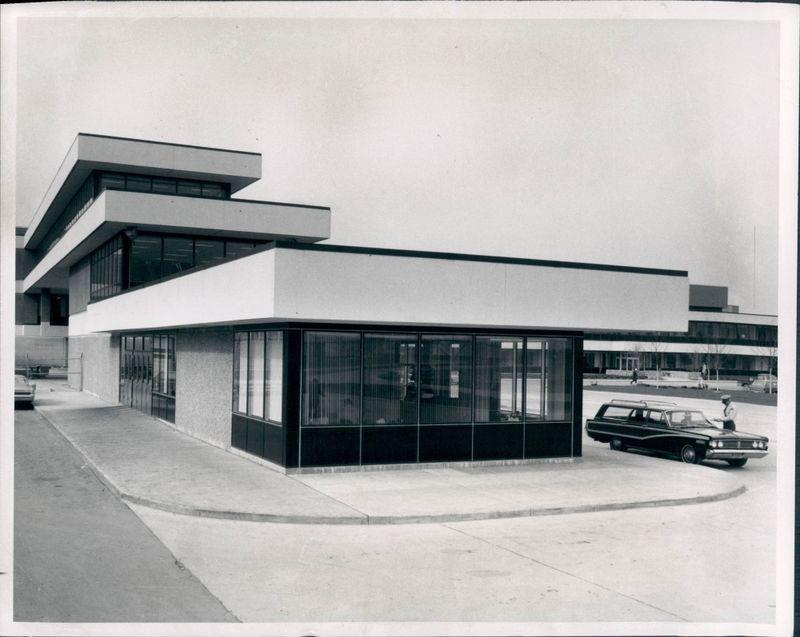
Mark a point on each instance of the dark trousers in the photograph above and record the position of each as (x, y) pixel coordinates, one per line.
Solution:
(729, 425)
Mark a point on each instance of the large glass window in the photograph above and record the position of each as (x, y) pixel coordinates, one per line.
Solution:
(255, 375)
(106, 270)
(234, 249)
(240, 373)
(390, 379)
(558, 379)
(534, 389)
(331, 378)
(208, 251)
(498, 379)
(273, 381)
(178, 255)
(145, 263)
(446, 379)
(258, 375)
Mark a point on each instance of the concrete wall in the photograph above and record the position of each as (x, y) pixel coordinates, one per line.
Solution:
(204, 366)
(100, 365)
(49, 350)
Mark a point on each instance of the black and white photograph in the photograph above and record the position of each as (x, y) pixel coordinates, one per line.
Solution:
(402, 318)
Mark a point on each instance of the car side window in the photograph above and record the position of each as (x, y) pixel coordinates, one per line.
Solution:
(656, 418)
(616, 413)
(637, 416)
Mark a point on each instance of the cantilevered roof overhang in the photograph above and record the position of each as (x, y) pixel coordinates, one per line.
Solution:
(100, 152)
(336, 284)
(116, 210)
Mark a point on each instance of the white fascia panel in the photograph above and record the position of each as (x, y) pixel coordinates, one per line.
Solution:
(92, 218)
(114, 210)
(734, 317)
(210, 163)
(334, 286)
(215, 216)
(89, 152)
(238, 291)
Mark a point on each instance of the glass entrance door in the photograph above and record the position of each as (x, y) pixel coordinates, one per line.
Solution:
(136, 373)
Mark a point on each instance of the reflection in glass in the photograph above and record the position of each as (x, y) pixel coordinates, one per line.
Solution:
(208, 251)
(331, 378)
(498, 379)
(178, 255)
(558, 384)
(273, 386)
(533, 379)
(390, 379)
(240, 372)
(446, 379)
(255, 375)
(145, 259)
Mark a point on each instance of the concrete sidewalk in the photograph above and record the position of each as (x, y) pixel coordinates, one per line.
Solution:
(147, 462)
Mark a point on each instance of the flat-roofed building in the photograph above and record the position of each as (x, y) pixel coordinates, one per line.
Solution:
(232, 320)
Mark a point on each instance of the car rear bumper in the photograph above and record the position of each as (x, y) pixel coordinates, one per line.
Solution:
(23, 398)
(731, 454)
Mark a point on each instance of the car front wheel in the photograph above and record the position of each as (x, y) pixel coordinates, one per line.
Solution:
(737, 462)
(689, 454)
(617, 444)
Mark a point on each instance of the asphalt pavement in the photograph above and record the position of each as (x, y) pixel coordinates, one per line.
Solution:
(80, 554)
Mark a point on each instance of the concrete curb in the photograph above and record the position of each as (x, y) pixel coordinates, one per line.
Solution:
(180, 509)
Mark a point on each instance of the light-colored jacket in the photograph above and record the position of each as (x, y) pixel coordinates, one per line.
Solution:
(729, 413)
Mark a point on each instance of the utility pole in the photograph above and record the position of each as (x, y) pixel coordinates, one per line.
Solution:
(754, 267)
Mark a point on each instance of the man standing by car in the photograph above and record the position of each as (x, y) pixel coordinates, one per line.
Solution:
(728, 414)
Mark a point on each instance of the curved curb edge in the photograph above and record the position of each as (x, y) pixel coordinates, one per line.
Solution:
(180, 509)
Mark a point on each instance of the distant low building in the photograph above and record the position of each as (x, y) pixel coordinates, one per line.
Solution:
(736, 344)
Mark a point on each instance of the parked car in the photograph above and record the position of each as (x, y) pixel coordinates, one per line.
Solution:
(764, 383)
(669, 428)
(24, 391)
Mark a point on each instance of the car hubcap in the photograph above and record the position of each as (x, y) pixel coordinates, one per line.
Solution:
(616, 444)
(688, 454)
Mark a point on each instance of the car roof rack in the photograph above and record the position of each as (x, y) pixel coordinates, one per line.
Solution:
(643, 402)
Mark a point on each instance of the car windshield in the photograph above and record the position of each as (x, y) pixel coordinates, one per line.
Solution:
(20, 379)
(687, 418)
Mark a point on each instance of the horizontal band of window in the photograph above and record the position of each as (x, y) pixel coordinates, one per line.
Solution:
(158, 393)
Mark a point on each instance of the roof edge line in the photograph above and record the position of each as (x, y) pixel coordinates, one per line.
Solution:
(454, 256)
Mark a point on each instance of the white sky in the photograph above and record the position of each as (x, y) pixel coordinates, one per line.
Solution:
(647, 143)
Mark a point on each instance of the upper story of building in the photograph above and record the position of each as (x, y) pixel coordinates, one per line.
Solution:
(139, 192)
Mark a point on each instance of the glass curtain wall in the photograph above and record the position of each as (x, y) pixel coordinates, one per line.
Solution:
(428, 379)
(332, 378)
(446, 379)
(498, 379)
(390, 379)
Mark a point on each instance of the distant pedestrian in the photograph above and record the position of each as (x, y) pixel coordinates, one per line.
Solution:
(728, 414)
(635, 377)
(704, 377)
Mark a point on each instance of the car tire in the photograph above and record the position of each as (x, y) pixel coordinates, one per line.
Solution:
(616, 444)
(737, 462)
(689, 454)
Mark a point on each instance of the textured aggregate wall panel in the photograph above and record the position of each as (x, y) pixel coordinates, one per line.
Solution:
(100, 365)
(204, 366)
